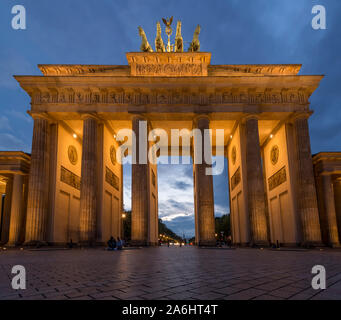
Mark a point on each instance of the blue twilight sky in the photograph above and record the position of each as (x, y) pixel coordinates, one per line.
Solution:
(235, 31)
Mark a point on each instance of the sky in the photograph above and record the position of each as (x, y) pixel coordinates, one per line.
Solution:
(235, 31)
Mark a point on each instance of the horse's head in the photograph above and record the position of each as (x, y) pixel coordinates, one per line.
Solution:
(197, 30)
(178, 28)
(141, 32)
(158, 29)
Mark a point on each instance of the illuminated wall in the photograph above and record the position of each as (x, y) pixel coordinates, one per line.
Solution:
(283, 219)
(237, 184)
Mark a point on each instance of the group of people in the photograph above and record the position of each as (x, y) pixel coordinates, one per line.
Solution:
(114, 244)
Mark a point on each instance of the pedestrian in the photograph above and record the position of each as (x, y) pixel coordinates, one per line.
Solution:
(119, 243)
(229, 241)
(111, 243)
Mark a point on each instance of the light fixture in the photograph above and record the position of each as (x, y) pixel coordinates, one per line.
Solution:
(271, 136)
(124, 215)
(75, 136)
(115, 136)
(231, 136)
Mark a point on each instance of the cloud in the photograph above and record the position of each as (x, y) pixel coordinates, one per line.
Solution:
(4, 124)
(182, 225)
(19, 115)
(181, 185)
(11, 143)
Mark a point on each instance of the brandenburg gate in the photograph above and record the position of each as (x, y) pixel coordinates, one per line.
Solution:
(75, 186)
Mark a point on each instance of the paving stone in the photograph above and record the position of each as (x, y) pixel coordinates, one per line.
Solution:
(245, 295)
(170, 273)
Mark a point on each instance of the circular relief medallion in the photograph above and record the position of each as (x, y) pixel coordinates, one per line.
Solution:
(113, 155)
(274, 154)
(234, 155)
(72, 153)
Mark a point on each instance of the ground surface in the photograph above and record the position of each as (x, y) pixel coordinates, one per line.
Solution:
(170, 273)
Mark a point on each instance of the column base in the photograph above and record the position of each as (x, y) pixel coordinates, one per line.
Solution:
(35, 243)
(312, 244)
(335, 245)
(139, 243)
(87, 243)
(258, 244)
(153, 244)
(14, 244)
(207, 243)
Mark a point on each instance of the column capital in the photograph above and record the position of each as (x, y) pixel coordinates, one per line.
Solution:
(138, 116)
(41, 115)
(200, 117)
(299, 115)
(249, 116)
(7, 176)
(94, 116)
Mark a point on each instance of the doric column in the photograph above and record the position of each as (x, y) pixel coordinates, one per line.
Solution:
(17, 212)
(255, 183)
(38, 183)
(329, 209)
(139, 188)
(203, 189)
(89, 173)
(5, 223)
(306, 192)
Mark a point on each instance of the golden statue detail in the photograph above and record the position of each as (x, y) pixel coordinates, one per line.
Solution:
(168, 23)
(178, 46)
(179, 43)
(145, 46)
(159, 45)
(195, 44)
(168, 31)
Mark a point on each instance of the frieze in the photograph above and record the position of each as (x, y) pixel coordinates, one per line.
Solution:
(225, 70)
(131, 97)
(236, 178)
(111, 178)
(187, 69)
(277, 179)
(70, 178)
(220, 70)
(274, 154)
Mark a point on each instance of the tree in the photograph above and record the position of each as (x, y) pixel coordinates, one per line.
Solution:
(166, 232)
(163, 229)
(223, 226)
(127, 226)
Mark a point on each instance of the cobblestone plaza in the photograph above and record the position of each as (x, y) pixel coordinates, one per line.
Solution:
(170, 274)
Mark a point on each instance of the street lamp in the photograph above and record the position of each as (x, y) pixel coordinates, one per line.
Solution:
(122, 225)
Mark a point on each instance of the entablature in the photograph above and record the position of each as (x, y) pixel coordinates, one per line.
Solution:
(170, 91)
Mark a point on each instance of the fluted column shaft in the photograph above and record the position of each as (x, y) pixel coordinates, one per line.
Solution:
(38, 183)
(306, 191)
(255, 183)
(204, 192)
(139, 191)
(5, 223)
(17, 212)
(89, 170)
(330, 211)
